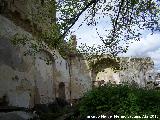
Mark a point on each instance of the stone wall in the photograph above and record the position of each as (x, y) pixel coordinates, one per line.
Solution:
(33, 16)
(108, 75)
(28, 80)
(139, 70)
(81, 77)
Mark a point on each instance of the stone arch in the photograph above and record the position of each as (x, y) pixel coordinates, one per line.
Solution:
(99, 65)
(48, 77)
(61, 91)
(52, 59)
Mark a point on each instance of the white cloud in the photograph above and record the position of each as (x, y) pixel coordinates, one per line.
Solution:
(147, 46)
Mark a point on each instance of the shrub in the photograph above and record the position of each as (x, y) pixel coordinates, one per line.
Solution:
(121, 100)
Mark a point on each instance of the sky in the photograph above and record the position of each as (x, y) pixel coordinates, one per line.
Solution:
(148, 46)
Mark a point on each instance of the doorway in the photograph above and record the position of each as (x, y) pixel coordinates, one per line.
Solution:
(61, 91)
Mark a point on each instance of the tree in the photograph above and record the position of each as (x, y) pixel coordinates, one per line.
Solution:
(127, 17)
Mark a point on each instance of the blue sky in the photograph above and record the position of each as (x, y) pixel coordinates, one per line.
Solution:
(148, 46)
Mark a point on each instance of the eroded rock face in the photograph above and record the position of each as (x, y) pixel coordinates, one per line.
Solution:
(11, 56)
(28, 80)
(29, 14)
(23, 79)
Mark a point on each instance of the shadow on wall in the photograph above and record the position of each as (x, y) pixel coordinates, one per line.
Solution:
(13, 57)
(17, 11)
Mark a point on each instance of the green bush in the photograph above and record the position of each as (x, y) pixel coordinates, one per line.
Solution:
(121, 100)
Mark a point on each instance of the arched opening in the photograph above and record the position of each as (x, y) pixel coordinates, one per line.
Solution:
(46, 60)
(61, 91)
(104, 69)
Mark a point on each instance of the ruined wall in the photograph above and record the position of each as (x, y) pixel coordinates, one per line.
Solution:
(108, 75)
(140, 70)
(81, 77)
(28, 80)
(24, 80)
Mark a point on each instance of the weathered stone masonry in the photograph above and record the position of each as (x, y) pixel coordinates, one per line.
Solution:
(28, 80)
(132, 69)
